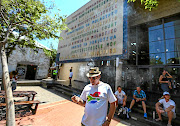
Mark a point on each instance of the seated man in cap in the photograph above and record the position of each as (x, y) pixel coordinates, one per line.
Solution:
(95, 98)
(168, 108)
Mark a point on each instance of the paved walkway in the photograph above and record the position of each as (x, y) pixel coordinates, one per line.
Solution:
(56, 109)
(45, 96)
(62, 113)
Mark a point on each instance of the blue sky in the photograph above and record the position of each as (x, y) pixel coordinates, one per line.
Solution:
(67, 7)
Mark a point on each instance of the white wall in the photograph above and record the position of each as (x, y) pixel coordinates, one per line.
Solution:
(29, 56)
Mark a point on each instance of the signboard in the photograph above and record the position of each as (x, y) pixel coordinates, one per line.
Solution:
(96, 31)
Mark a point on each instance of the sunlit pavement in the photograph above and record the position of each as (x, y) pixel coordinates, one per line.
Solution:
(62, 113)
(56, 109)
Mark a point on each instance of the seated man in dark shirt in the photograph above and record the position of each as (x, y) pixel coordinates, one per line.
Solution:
(139, 96)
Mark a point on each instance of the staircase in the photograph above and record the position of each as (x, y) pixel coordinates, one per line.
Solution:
(67, 90)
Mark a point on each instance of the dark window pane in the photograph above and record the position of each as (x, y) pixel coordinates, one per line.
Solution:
(169, 32)
(156, 47)
(169, 24)
(177, 33)
(173, 57)
(143, 59)
(177, 45)
(155, 27)
(155, 35)
(170, 46)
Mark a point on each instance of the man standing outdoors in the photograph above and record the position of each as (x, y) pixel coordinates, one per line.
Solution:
(168, 109)
(55, 73)
(95, 98)
(121, 97)
(70, 76)
(139, 96)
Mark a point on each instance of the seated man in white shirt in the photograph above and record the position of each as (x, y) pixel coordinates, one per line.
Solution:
(121, 97)
(168, 109)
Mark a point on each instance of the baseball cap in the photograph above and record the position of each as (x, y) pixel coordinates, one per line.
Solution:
(166, 93)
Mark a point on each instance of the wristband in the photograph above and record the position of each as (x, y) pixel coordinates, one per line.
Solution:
(108, 120)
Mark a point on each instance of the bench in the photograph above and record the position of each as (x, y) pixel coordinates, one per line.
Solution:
(36, 102)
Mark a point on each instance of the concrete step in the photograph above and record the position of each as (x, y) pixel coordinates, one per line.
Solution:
(139, 110)
(66, 90)
(29, 83)
(63, 91)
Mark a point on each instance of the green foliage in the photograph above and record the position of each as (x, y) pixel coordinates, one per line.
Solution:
(51, 54)
(148, 4)
(24, 21)
(155, 61)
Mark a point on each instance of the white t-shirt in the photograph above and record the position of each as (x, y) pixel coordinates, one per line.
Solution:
(96, 97)
(120, 96)
(167, 104)
(14, 79)
(71, 74)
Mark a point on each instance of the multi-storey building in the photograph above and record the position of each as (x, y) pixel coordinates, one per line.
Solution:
(98, 36)
(131, 45)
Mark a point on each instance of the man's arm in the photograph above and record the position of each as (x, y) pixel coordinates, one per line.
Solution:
(125, 98)
(110, 114)
(137, 99)
(134, 96)
(143, 99)
(169, 108)
(78, 100)
(111, 110)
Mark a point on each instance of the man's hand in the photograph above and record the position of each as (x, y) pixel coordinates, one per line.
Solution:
(78, 100)
(75, 99)
(138, 99)
(106, 123)
(161, 111)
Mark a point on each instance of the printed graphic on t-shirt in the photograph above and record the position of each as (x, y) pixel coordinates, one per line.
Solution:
(93, 98)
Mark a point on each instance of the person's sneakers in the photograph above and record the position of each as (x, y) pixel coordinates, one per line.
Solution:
(158, 119)
(145, 115)
(129, 110)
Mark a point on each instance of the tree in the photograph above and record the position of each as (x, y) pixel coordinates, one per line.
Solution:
(148, 4)
(21, 22)
(51, 54)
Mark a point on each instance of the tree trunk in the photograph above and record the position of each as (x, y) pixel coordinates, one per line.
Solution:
(10, 112)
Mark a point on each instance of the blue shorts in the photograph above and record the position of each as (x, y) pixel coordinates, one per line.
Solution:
(140, 101)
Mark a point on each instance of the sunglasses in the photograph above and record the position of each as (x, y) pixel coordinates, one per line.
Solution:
(94, 78)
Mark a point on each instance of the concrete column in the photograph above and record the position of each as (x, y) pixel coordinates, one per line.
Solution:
(118, 75)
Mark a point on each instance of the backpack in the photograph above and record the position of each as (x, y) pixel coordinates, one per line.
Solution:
(123, 113)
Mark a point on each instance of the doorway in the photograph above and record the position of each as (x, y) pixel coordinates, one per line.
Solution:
(31, 72)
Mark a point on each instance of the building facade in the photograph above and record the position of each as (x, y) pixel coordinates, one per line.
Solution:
(131, 45)
(29, 64)
(96, 37)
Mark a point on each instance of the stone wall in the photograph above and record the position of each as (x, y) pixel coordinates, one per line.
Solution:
(27, 57)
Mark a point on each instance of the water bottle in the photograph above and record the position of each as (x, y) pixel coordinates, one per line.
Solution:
(154, 115)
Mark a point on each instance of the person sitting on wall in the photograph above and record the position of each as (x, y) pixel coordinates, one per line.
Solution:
(139, 96)
(121, 97)
(168, 109)
(164, 81)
